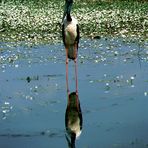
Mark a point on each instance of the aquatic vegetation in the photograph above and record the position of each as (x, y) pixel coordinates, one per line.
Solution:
(5, 108)
(41, 21)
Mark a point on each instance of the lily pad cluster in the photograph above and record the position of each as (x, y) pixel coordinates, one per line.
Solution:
(41, 22)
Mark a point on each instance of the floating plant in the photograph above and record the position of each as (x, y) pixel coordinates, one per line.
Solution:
(34, 22)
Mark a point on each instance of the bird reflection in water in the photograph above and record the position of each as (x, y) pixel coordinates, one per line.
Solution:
(73, 114)
(73, 119)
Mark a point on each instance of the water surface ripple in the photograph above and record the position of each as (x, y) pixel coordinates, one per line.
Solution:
(113, 91)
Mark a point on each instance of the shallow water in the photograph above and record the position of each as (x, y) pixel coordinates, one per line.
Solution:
(112, 89)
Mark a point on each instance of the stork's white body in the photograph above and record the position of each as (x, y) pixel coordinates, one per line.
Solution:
(70, 35)
(70, 29)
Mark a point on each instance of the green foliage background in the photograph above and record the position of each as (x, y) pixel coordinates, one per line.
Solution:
(40, 20)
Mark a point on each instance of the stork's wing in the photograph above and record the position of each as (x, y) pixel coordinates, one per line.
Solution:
(78, 35)
(63, 34)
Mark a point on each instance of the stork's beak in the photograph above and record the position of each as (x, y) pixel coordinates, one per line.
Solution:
(67, 8)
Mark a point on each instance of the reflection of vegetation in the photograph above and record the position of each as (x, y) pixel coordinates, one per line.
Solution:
(41, 20)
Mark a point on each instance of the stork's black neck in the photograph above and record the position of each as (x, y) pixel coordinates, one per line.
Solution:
(69, 19)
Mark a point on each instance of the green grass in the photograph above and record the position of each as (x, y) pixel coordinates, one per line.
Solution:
(40, 20)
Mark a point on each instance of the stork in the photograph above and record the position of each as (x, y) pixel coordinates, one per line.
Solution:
(73, 119)
(71, 35)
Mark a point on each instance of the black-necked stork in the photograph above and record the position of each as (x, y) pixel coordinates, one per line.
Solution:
(71, 35)
(73, 119)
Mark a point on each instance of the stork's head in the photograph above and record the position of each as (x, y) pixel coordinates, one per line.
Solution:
(67, 9)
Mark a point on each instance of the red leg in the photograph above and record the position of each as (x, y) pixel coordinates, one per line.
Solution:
(76, 78)
(67, 71)
(76, 72)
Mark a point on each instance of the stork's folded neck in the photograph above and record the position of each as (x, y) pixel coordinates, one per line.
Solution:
(69, 19)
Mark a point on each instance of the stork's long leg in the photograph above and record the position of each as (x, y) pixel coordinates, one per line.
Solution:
(76, 72)
(76, 78)
(67, 71)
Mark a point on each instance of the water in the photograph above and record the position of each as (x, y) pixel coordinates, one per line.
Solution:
(112, 90)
